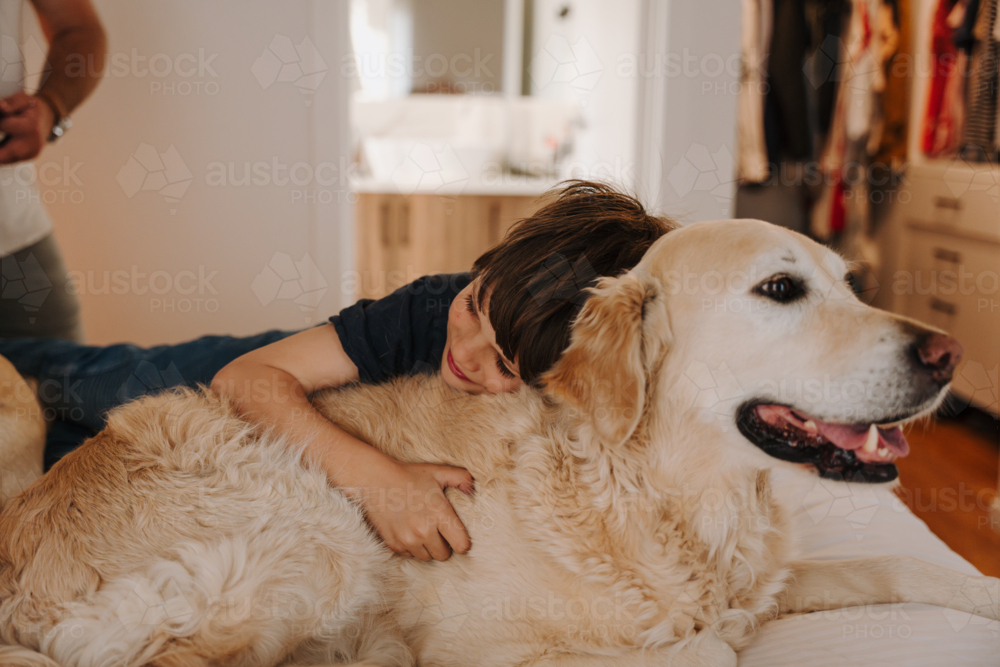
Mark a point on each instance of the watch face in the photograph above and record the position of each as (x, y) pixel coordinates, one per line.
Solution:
(59, 129)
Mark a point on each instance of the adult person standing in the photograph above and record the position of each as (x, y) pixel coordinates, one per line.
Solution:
(34, 301)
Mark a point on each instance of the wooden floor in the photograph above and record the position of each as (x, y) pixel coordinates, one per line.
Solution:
(950, 479)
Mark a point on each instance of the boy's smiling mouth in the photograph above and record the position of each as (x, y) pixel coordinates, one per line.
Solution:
(456, 370)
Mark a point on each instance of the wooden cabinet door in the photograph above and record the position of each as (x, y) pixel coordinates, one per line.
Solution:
(375, 222)
(403, 237)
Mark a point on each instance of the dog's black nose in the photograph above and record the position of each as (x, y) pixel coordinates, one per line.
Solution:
(938, 355)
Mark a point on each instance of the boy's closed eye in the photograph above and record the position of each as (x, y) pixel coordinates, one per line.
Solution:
(501, 366)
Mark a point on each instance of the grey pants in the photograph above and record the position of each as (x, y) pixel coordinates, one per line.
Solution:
(34, 299)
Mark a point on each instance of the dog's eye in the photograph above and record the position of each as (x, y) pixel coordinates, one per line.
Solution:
(781, 288)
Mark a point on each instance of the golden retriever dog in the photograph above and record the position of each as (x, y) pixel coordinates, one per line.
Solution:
(22, 433)
(619, 517)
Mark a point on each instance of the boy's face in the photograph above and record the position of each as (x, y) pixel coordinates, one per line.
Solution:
(472, 359)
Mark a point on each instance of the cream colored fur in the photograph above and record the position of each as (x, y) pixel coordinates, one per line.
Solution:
(618, 518)
(22, 434)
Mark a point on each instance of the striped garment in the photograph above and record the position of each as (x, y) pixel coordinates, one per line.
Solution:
(981, 111)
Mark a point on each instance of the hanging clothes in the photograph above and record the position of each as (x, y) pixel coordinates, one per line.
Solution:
(751, 162)
(943, 118)
(786, 116)
(996, 131)
(894, 24)
(853, 118)
(981, 100)
(832, 104)
(962, 34)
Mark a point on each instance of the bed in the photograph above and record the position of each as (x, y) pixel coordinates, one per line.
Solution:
(836, 520)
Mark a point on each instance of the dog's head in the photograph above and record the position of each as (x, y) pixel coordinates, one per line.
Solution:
(753, 332)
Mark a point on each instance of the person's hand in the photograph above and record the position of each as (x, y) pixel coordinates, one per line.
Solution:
(405, 503)
(27, 121)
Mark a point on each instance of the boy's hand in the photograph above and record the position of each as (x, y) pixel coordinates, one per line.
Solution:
(407, 506)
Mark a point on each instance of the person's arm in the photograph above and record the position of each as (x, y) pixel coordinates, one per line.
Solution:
(75, 64)
(270, 386)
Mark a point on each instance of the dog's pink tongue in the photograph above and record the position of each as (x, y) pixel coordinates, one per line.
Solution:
(853, 436)
(894, 440)
(845, 436)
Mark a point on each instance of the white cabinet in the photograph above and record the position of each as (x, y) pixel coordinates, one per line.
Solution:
(947, 267)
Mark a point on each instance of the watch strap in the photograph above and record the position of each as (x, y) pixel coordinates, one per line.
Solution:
(60, 118)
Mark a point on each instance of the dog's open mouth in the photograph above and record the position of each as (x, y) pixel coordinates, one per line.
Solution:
(860, 452)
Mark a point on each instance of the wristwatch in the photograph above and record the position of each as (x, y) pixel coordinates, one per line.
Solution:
(60, 120)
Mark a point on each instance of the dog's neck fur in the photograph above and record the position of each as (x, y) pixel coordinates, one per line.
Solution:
(599, 506)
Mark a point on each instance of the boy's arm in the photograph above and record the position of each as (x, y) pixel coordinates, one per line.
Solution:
(270, 386)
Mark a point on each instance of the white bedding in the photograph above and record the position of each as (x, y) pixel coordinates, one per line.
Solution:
(834, 520)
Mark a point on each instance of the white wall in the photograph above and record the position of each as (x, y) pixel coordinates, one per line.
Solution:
(183, 76)
(657, 81)
(689, 84)
(578, 57)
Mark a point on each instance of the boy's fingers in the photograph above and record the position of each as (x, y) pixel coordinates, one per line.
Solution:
(451, 529)
(437, 547)
(420, 553)
(458, 478)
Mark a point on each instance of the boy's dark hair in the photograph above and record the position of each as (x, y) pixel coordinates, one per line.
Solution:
(537, 276)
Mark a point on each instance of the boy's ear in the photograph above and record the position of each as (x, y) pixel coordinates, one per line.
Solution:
(602, 373)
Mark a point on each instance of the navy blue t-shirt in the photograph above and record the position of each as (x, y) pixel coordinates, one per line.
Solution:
(403, 333)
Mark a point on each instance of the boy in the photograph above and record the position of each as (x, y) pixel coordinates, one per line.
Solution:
(489, 331)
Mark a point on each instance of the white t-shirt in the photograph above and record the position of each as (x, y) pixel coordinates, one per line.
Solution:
(23, 219)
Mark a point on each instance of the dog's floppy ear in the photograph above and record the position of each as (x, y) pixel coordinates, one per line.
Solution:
(602, 372)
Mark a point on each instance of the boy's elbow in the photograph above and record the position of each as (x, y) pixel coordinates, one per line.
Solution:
(226, 380)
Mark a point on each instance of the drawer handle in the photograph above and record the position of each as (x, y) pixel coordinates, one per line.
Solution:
(403, 229)
(948, 202)
(943, 306)
(384, 225)
(947, 255)
(493, 219)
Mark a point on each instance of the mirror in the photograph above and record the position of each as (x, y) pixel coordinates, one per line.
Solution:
(403, 47)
